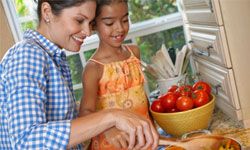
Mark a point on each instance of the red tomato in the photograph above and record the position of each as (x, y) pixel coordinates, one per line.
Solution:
(172, 110)
(168, 100)
(184, 90)
(184, 103)
(200, 98)
(156, 106)
(173, 88)
(201, 85)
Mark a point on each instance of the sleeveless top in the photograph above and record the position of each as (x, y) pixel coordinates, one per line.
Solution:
(121, 86)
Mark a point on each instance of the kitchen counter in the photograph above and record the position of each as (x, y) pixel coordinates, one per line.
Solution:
(221, 124)
(224, 125)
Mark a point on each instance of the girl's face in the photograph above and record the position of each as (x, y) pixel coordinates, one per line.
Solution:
(72, 26)
(112, 24)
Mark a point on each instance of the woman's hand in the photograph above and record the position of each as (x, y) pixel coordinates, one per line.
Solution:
(117, 138)
(142, 134)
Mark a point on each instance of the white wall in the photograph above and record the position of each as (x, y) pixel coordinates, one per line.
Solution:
(6, 38)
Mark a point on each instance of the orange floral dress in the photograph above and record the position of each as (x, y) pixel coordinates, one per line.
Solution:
(121, 86)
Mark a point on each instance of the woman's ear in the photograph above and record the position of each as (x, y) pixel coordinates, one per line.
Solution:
(46, 12)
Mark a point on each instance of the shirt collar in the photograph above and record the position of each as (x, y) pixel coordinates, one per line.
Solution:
(50, 47)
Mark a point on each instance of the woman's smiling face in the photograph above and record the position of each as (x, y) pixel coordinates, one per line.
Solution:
(69, 29)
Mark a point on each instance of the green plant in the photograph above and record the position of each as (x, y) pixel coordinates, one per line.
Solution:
(76, 68)
(141, 10)
(21, 8)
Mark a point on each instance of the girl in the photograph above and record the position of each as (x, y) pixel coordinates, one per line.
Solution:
(113, 77)
(37, 106)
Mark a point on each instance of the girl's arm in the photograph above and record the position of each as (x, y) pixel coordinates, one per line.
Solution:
(90, 80)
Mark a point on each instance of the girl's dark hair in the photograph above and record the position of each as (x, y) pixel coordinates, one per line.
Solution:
(101, 3)
(58, 5)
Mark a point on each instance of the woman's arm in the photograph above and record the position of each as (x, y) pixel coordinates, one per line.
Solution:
(138, 129)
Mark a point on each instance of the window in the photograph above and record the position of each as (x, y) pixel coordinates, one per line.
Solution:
(141, 10)
(26, 13)
(160, 23)
(21, 16)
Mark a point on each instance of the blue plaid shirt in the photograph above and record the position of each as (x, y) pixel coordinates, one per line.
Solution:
(36, 95)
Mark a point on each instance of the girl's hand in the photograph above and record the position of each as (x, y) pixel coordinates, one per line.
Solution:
(117, 138)
(142, 134)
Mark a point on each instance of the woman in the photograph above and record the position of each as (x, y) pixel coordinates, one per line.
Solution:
(36, 96)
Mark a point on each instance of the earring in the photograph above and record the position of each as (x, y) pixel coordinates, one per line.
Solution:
(47, 20)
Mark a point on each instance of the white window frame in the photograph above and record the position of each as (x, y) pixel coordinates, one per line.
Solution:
(12, 17)
(136, 30)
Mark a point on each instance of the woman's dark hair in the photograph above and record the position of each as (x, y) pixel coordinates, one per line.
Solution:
(101, 3)
(58, 5)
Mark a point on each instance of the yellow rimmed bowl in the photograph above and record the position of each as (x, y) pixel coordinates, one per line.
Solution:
(178, 123)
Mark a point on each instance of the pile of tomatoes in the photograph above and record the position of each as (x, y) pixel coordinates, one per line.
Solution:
(183, 97)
